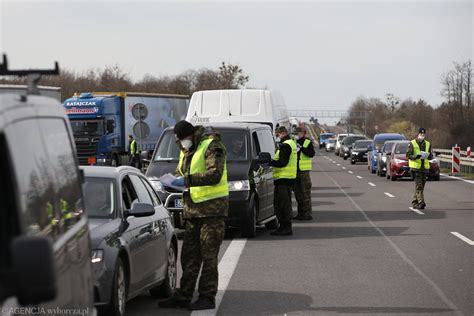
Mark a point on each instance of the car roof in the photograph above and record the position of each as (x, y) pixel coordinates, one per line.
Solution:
(108, 172)
(222, 126)
(18, 106)
(387, 135)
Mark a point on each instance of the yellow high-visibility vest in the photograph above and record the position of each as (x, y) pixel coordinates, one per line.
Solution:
(416, 164)
(305, 163)
(289, 171)
(204, 193)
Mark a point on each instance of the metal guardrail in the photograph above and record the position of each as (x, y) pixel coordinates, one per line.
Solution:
(445, 158)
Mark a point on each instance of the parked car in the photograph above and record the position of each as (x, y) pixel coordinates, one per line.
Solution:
(376, 146)
(339, 139)
(359, 151)
(324, 138)
(330, 144)
(134, 246)
(250, 183)
(397, 163)
(347, 144)
(44, 241)
(382, 158)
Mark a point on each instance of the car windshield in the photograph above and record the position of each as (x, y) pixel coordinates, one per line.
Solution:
(331, 141)
(380, 142)
(349, 140)
(401, 148)
(99, 197)
(388, 147)
(89, 127)
(235, 142)
(341, 137)
(325, 136)
(362, 145)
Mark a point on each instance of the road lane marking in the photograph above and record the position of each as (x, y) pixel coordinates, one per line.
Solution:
(400, 252)
(371, 184)
(389, 195)
(226, 268)
(350, 172)
(333, 161)
(344, 168)
(463, 238)
(338, 164)
(416, 211)
(464, 180)
(359, 177)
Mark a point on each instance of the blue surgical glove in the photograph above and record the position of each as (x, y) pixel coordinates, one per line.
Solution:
(178, 182)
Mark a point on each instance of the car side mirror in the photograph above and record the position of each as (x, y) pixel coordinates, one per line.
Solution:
(140, 210)
(262, 158)
(369, 148)
(145, 154)
(33, 269)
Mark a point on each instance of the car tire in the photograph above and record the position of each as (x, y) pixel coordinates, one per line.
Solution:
(119, 291)
(345, 158)
(372, 170)
(352, 162)
(168, 287)
(388, 176)
(248, 228)
(436, 178)
(393, 178)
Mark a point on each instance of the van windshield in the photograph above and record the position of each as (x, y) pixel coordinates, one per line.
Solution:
(235, 142)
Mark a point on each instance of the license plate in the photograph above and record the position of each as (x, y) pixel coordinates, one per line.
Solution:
(178, 203)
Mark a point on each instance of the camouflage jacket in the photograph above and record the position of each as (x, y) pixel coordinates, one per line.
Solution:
(215, 160)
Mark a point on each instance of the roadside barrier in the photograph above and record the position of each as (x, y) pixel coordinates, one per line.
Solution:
(465, 161)
(456, 160)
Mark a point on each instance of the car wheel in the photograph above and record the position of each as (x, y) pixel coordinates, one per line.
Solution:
(248, 228)
(372, 170)
(345, 158)
(388, 176)
(393, 178)
(119, 291)
(436, 178)
(378, 172)
(168, 287)
(352, 162)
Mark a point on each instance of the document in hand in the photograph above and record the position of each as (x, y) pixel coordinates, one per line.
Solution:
(424, 155)
(167, 179)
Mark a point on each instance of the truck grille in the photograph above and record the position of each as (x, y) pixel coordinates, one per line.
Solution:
(85, 149)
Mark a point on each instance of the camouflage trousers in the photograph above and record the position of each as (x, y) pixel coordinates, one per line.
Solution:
(201, 243)
(282, 204)
(302, 191)
(420, 181)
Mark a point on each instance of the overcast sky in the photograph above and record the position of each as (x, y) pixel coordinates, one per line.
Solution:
(319, 55)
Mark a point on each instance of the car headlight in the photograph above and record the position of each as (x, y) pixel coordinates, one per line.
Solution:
(398, 161)
(434, 161)
(97, 255)
(384, 159)
(157, 185)
(242, 185)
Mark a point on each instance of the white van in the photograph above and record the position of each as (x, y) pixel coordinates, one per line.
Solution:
(245, 105)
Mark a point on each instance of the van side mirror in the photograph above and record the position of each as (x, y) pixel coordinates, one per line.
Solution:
(262, 158)
(33, 269)
(140, 210)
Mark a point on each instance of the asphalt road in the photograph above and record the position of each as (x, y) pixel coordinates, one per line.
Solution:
(365, 253)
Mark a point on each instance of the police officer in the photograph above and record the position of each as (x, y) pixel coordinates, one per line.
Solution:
(284, 175)
(303, 184)
(419, 155)
(133, 152)
(202, 171)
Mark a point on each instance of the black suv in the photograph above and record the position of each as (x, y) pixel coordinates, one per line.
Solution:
(250, 181)
(44, 236)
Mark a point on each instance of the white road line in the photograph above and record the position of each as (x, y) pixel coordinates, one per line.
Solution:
(463, 238)
(464, 180)
(400, 252)
(344, 168)
(350, 172)
(389, 195)
(416, 211)
(371, 184)
(227, 267)
(333, 161)
(359, 177)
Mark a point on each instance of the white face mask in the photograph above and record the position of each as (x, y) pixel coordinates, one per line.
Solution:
(187, 143)
(297, 137)
(421, 137)
(278, 139)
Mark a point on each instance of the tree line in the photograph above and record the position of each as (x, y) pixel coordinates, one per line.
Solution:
(450, 123)
(114, 78)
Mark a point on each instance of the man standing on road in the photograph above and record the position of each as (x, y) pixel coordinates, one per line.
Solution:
(133, 152)
(419, 155)
(284, 175)
(303, 184)
(203, 173)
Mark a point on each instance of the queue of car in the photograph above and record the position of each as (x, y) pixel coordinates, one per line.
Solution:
(385, 154)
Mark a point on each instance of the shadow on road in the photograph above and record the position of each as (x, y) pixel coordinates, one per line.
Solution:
(376, 216)
(334, 194)
(280, 303)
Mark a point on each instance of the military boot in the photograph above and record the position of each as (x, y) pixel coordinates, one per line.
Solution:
(175, 301)
(203, 303)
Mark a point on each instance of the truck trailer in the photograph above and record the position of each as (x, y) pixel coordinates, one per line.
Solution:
(102, 121)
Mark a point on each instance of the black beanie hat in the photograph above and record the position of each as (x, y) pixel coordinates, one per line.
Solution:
(183, 129)
(422, 130)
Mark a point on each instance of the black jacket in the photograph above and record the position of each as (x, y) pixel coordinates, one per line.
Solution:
(284, 157)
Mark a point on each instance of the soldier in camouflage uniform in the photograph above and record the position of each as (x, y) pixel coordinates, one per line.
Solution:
(419, 153)
(302, 188)
(204, 214)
